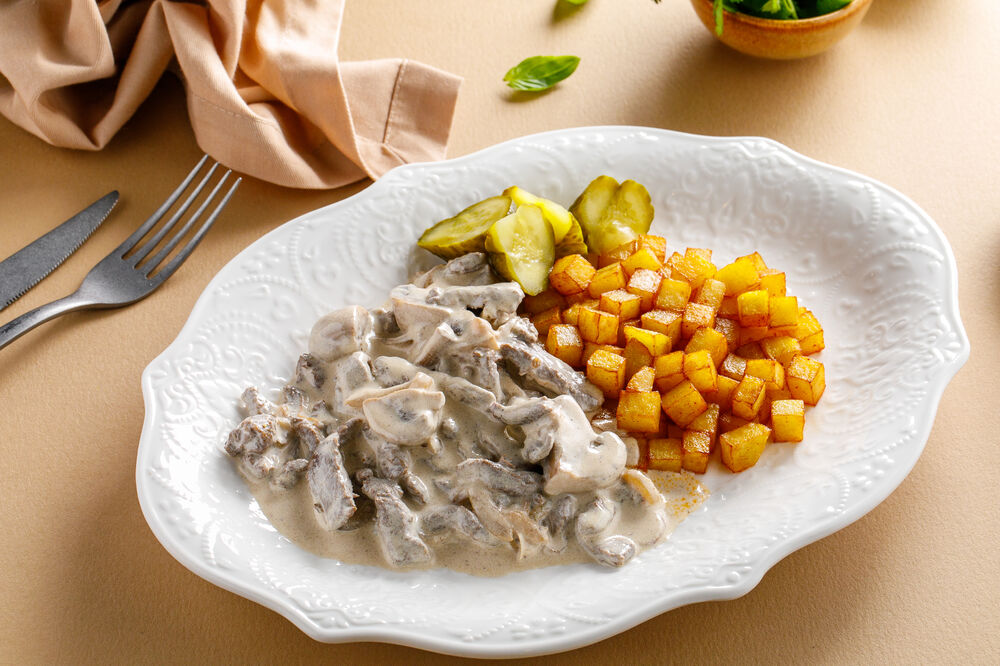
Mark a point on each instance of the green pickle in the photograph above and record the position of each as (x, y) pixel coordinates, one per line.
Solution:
(522, 248)
(565, 227)
(612, 214)
(466, 232)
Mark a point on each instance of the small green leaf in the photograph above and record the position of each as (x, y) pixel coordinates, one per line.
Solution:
(827, 6)
(540, 72)
(717, 10)
(580, 2)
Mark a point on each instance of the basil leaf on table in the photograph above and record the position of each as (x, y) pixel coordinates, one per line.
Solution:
(540, 72)
(580, 2)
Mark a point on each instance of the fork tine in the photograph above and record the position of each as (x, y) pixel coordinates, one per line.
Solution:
(150, 245)
(155, 217)
(174, 263)
(172, 243)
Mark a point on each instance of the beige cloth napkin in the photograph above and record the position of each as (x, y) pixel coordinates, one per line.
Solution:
(266, 93)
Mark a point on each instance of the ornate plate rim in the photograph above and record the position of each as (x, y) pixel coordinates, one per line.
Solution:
(401, 635)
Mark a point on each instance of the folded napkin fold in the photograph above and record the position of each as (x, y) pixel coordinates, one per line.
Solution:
(266, 92)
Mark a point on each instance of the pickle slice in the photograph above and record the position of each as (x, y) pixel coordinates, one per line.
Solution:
(611, 217)
(565, 227)
(589, 207)
(466, 232)
(522, 247)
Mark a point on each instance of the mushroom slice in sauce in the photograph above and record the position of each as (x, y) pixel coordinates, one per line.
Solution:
(408, 417)
(497, 302)
(395, 524)
(585, 465)
(330, 484)
(610, 550)
(340, 333)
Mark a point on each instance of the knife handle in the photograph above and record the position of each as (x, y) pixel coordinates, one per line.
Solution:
(14, 329)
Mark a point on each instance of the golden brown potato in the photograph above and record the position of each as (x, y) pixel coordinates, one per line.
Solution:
(639, 411)
(742, 447)
(683, 403)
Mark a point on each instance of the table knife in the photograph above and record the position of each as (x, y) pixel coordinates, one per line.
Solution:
(26, 267)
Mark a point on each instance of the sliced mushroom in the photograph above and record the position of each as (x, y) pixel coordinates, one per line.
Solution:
(613, 550)
(408, 417)
(340, 333)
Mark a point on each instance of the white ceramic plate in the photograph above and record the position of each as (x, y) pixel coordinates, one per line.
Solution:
(876, 270)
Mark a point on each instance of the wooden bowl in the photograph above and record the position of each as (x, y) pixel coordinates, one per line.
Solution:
(783, 40)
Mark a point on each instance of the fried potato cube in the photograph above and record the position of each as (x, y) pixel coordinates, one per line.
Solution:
(742, 447)
(733, 366)
(711, 293)
(699, 368)
(597, 326)
(655, 342)
(781, 349)
(666, 454)
(692, 267)
(642, 380)
(571, 274)
(753, 334)
(773, 281)
(696, 315)
(620, 253)
(770, 396)
(702, 252)
(748, 397)
(606, 279)
(769, 370)
(806, 379)
(655, 244)
(708, 422)
(728, 422)
(712, 341)
(564, 342)
(571, 315)
(642, 258)
(606, 371)
(683, 403)
(621, 303)
(753, 308)
(809, 333)
(590, 347)
(545, 300)
(546, 319)
(739, 276)
(668, 370)
(645, 284)
(635, 323)
(750, 350)
(637, 357)
(723, 393)
(730, 331)
(673, 295)
(757, 261)
(728, 309)
(783, 311)
(697, 447)
(788, 419)
(663, 321)
(639, 411)
(582, 297)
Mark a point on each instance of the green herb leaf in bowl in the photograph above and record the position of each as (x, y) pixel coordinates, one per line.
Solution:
(540, 72)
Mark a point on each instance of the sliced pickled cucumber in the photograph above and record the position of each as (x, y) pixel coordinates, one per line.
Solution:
(589, 207)
(565, 227)
(466, 232)
(612, 214)
(522, 248)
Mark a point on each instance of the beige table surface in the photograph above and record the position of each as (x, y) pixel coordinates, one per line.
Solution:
(911, 99)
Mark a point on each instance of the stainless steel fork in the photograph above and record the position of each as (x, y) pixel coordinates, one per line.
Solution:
(119, 280)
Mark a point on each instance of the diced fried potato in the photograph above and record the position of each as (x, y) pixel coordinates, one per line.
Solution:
(621, 330)
(708, 422)
(783, 311)
(642, 258)
(750, 350)
(590, 347)
(639, 411)
(770, 396)
(645, 284)
(673, 295)
(663, 321)
(723, 393)
(693, 268)
(696, 449)
(767, 369)
(546, 300)
(668, 370)
(730, 331)
(753, 308)
(621, 303)
(606, 371)
(738, 276)
(728, 309)
(712, 341)
(757, 261)
(597, 326)
(729, 422)
(741, 448)
(809, 333)
(636, 357)
(788, 419)
(656, 244)
(655, 342)
(733, 366)
(773, 281)
(696, 315)
(606, 279)
(564, 342)
(666, 454)
(642, 380)
(753, 334)
(711, 293)
(546, 319)
(620, 253)
(700, 369)
(683, 403)
(748, 397)
(571, 274)
(781, 349)
(571, 315)
(702, 252)
(806, 379)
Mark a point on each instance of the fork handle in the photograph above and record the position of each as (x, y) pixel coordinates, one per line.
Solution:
(14, 329)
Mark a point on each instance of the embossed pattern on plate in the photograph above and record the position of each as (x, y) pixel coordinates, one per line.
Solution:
(876, 270)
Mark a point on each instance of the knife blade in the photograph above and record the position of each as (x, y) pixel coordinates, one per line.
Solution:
(25, 268)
